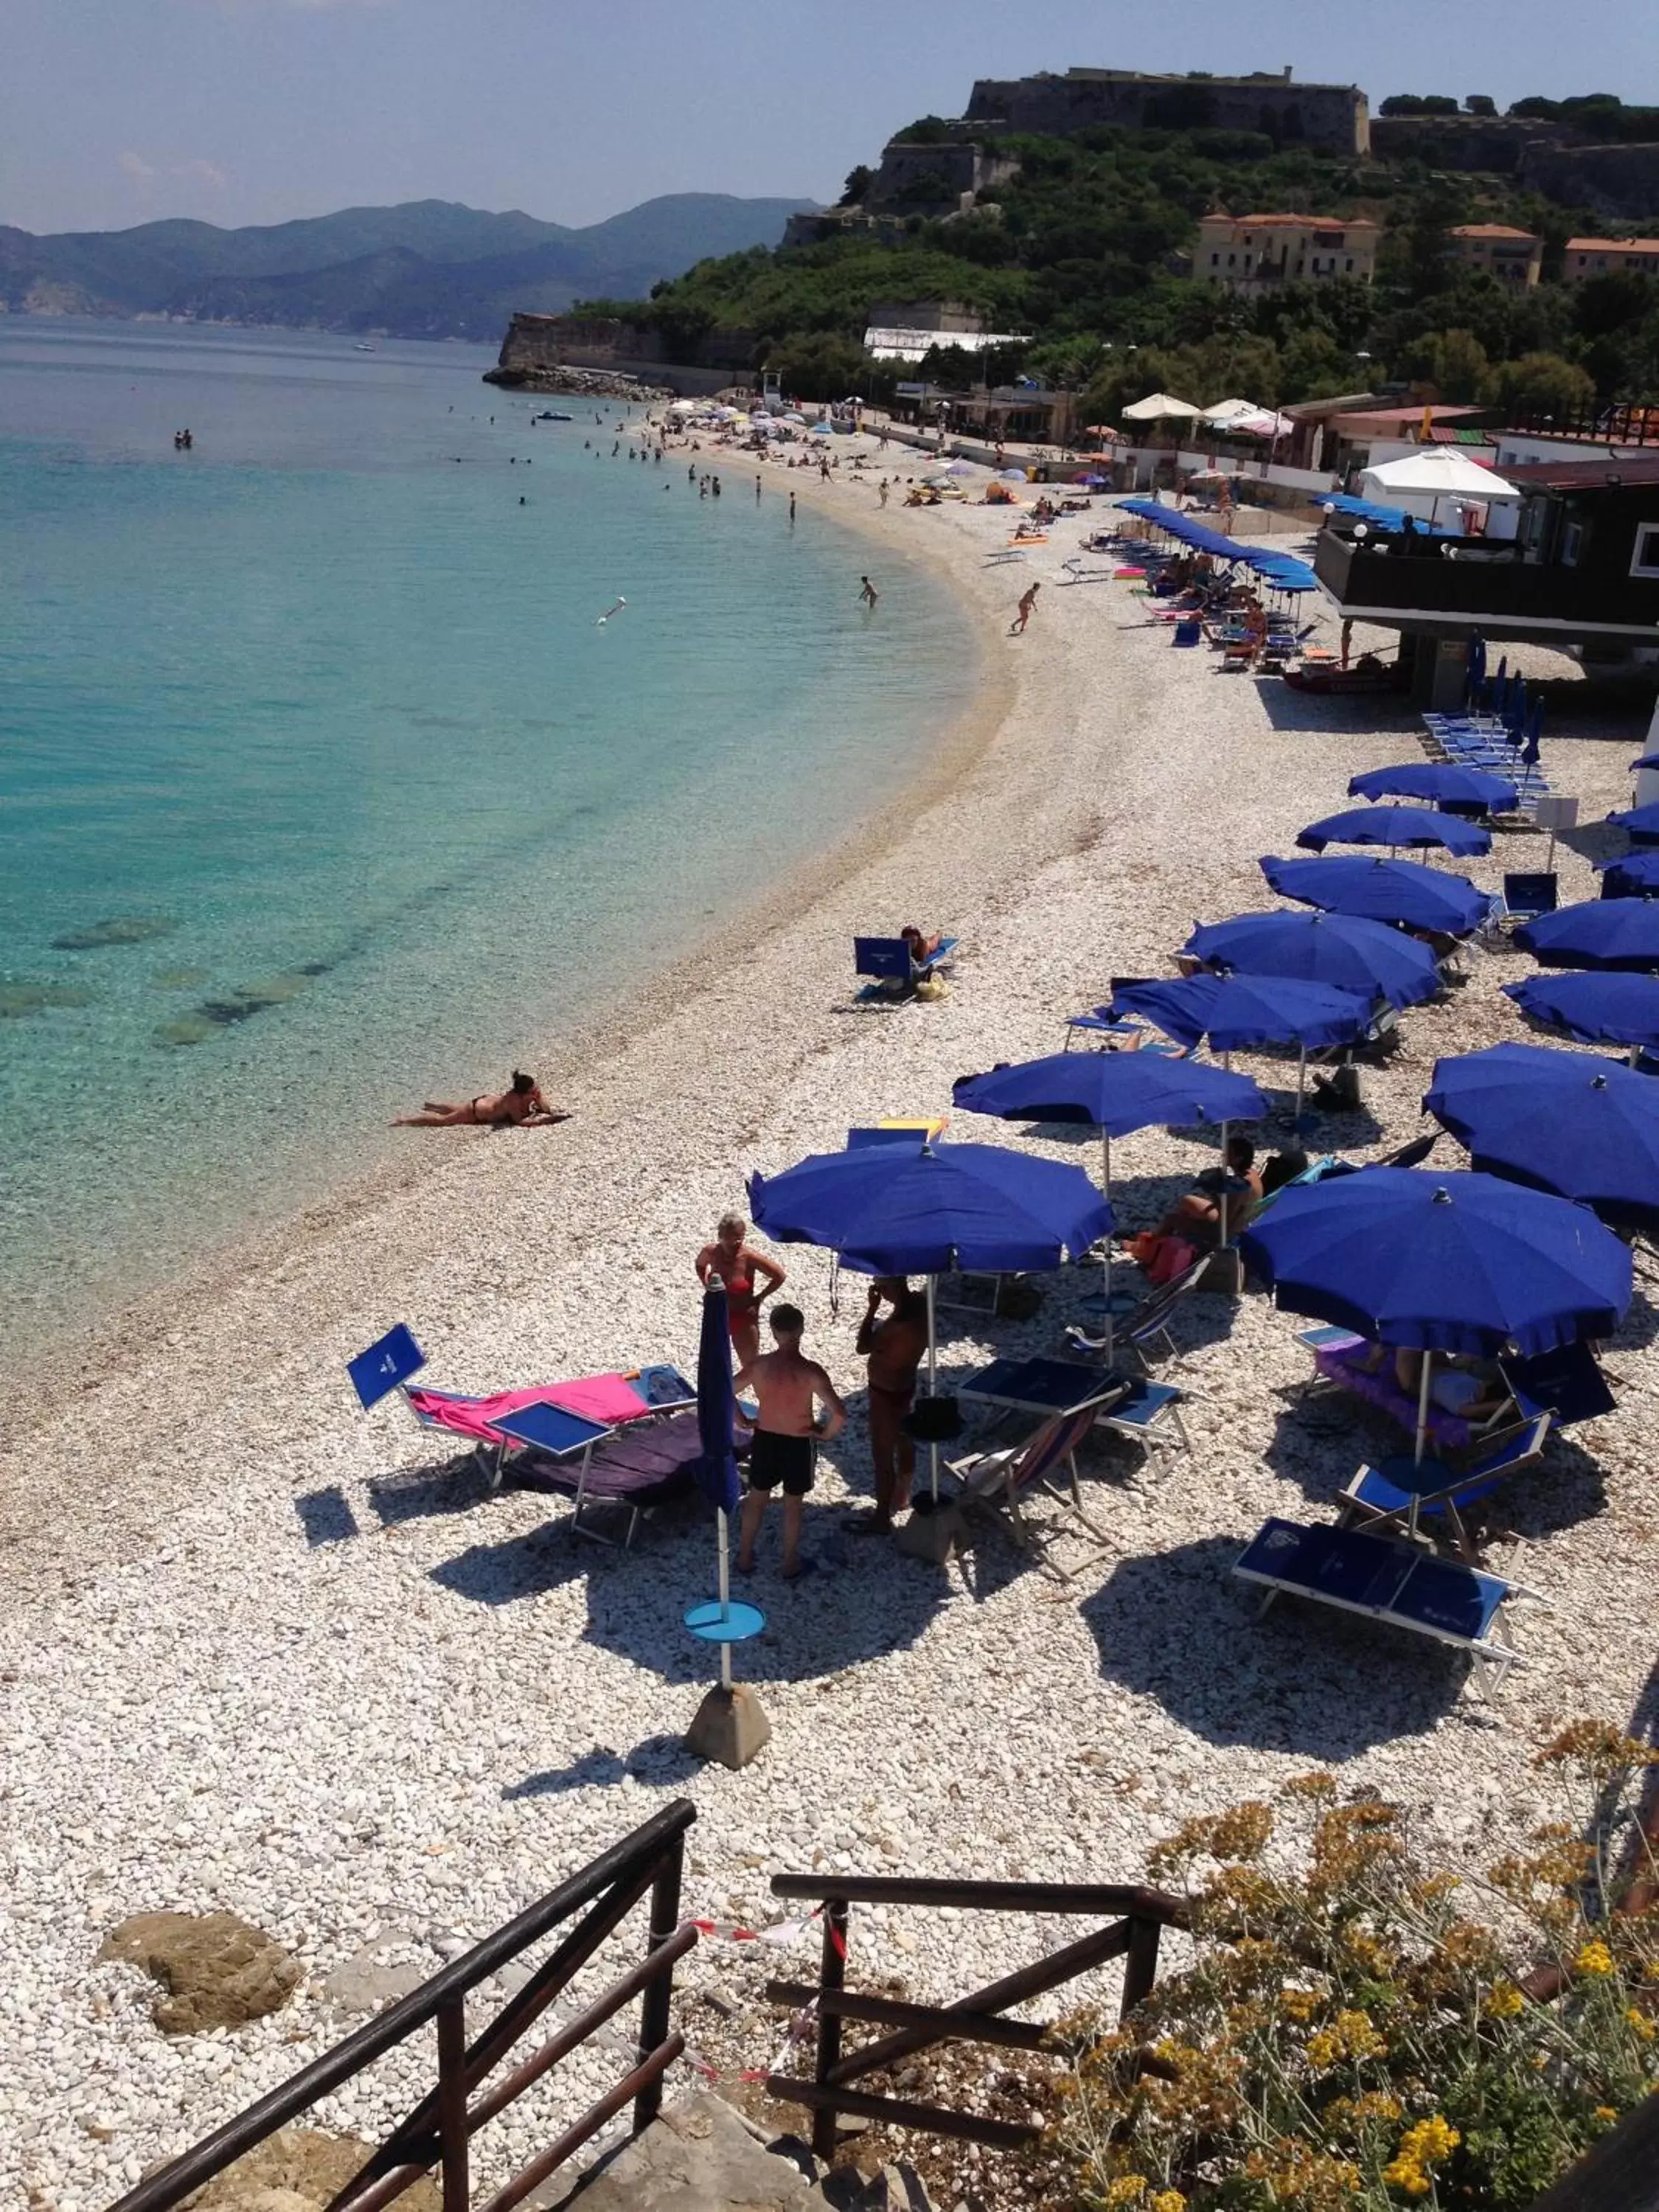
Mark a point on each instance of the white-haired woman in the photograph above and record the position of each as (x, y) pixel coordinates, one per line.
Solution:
(740, 1267)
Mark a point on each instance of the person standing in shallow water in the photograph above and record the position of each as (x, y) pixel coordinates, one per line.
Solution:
(869, 595)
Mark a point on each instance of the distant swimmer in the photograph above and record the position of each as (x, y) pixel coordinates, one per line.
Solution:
(869, 594)
(605, 617)
(521, 1107)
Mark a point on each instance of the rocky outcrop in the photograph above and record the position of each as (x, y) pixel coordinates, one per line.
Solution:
(216, 1969)
(298, 2170)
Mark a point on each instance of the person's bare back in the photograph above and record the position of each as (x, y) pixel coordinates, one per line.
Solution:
(786, 1388)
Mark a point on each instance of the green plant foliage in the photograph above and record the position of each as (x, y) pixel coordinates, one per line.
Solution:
(1358, 2030)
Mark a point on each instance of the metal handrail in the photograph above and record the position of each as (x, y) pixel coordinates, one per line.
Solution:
(653, 1848)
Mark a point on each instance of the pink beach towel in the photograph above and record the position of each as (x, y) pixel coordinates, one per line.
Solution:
(610, 1399)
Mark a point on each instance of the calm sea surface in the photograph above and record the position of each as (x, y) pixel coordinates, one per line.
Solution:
(322, 788)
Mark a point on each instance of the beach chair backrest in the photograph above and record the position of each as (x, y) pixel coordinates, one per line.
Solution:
(1566, 1382)
(1052, 1445)
(1150, 1315)
(385, 1366)
(1531, 893)
(887, 959)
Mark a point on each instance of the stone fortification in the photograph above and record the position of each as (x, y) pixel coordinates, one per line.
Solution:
(1329, 115)
(605, 357)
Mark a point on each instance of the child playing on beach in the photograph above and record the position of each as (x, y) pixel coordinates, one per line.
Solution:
(786, 1388)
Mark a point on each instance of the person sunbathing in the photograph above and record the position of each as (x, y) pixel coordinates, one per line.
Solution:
(520, 1107)
(922, 949)
(1198, 1217)
(1456, 1387)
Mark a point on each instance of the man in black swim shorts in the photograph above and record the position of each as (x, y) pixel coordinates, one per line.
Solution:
(788, 1389)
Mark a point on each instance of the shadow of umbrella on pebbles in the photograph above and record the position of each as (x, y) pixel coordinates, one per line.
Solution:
(1173, 1626)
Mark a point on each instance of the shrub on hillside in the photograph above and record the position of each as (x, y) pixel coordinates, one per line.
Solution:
(1358, 2030)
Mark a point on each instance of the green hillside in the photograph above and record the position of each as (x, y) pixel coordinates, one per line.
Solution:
(1083, 250)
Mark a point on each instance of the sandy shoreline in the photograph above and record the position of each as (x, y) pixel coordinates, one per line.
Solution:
(263, 1652)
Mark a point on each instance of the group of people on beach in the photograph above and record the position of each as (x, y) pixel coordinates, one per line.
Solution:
(797, 1407)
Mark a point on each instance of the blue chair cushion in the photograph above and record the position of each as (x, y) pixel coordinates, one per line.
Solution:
(376, 1373)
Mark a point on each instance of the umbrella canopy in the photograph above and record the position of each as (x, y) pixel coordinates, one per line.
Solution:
(890, 1211)
(1116, 1092)
(1620, 933)
(1343, 950)
(1403, 892)
(1645, 760)
(1595, 1006)
(1640, 823)
(1443, 783)
(717, 1469)
(1435, 472)
(1395, 825)
(1568, 1123)
(1237, 1012)
(1162, 407)
(1441, 1262)
(1231, 410)
(1629, 875)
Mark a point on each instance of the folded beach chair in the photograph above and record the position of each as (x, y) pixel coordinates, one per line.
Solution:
(887, 960)
(1386, 1581)
(1383, 1502)
(1005, 1479)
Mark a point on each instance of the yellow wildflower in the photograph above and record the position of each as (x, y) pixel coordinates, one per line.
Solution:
(1504, 2000)
(1594, 1957)
(1640, 2022)
(1127, 2189)
(1404, 2172)
(1300, 2005)
(1323, 2050)
(1167, 2200)
(1359, 2036)
(1376, 2105)
(1606, 2114)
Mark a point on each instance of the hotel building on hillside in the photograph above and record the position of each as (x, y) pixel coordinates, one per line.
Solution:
(1515, 256)
(1605, 257)
(1256, 253)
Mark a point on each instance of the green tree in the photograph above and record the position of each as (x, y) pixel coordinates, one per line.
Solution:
(1455, 363)
(820, 367)
(1541, 384)
(859, 181)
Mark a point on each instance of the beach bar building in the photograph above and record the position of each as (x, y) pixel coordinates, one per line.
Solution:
(1581, 574)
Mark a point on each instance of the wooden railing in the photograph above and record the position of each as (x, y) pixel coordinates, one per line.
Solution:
(439, 2130)
(1133, 1936)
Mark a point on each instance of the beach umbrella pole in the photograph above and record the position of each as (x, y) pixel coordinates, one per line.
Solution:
(725, 1595)
(1106, 1182)
(933, 1390)
(1301, 1085)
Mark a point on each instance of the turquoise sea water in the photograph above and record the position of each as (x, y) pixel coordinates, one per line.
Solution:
(323, 790)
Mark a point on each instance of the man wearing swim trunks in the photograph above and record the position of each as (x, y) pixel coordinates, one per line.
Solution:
(787, 1388)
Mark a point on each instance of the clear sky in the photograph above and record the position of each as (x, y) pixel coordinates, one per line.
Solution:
(253, 111)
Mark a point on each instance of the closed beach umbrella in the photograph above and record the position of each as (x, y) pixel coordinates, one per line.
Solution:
(1395, 825)
(1238, 1011)
(1459, 1263)
(1441, 782)
(1343, 950)
(1570, 1122)
(1403, 892)
(888, 1210)
(1115, 1092)
(1621, 933)
(1639, 823)
(1595, 1006)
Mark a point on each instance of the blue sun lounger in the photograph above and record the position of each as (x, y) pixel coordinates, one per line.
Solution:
(1386, 1581)
(887, 959)
(1401, 1496)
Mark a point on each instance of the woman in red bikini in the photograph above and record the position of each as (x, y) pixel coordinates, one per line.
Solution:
(737, 1264)
(523, 1107)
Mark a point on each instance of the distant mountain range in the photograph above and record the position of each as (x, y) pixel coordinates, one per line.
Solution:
(428, 269)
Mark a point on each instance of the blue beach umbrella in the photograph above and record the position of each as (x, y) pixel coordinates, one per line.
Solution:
(1620, 933)
(888, 1210)
(1343, 950)
(1594, 1005)
(1639, 823)
(1238, 1011)
(1456, 1262)
(1115, 1092)
(1645, 760)
(1395, 825)
(723, 1620)
(1444, 783)
(1570, 1122)
(1459, 1263)
(1403, 892)
(1629, 875)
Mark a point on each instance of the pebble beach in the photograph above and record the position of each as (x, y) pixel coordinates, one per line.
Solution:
(261, 1652)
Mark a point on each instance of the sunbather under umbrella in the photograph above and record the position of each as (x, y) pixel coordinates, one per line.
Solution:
(1450, 1263)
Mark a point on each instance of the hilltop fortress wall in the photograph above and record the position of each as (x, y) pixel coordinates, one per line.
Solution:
(1327, 115)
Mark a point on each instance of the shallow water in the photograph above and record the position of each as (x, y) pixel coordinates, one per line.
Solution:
(323, 789)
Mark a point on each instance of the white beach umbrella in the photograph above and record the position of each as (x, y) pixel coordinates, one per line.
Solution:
(1162, 407)
(1228, 411)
